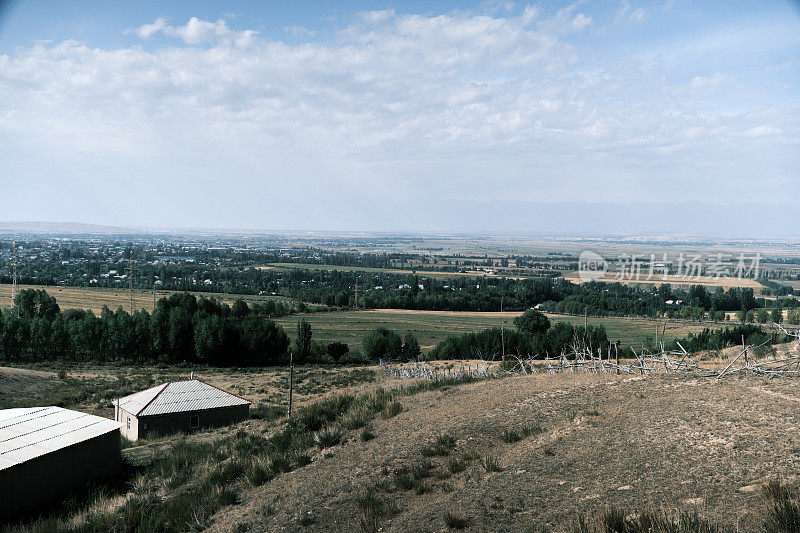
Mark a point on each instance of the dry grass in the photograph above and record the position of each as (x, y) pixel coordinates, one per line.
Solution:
(95, 298)
(631, 443)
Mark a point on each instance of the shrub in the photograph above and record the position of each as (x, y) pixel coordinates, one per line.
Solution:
(327, 437)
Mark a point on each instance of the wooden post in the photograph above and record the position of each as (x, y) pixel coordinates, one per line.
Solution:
(503, 341)
(291, 382)
(616, 356)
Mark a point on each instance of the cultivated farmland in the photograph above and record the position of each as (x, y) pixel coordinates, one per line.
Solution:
(431, 327)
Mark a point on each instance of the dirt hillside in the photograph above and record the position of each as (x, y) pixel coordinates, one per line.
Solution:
(672, 442)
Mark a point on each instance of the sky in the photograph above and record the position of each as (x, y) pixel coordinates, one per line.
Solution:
(362, 115)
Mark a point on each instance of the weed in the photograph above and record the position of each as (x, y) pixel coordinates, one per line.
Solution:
(267, 412)
(300, 458)
(280, 462)
(392, 410)
(402, 479)
(510, 436)
(441, 448)
(456, 465)
(649, 521)
(549, 451)
(783, 514)
(367, 435)
(491, 463)
(531, 430)
(421, 470)
(306, 519)
(327, 437)
(258, 473)
(373, 508)
(455, 521)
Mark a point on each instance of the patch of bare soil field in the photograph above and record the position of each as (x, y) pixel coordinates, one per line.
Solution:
(95, 298)
(660, 441)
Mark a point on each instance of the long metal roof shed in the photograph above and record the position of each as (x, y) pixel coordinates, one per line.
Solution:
(28, 433)
(178, 397)
(46, 452)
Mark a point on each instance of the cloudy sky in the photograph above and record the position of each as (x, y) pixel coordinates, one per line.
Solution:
(390, 116)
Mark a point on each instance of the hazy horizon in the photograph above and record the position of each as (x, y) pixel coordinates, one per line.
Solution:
(373, 116)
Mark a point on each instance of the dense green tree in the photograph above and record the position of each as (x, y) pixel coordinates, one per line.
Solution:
(382, 343)
(532, 322)
(36, 303)
(411, 349)
(302, 344)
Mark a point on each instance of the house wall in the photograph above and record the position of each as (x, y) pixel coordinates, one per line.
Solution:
(45, 479)
(130, 424)
(149, 426)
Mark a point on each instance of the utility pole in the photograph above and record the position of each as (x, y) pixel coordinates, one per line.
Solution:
(14, 276)
(502, 330)
(130, 278)
(291, 382)
(356, 304)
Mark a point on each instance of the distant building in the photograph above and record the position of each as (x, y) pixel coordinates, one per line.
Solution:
(46, 452)
(178, 406)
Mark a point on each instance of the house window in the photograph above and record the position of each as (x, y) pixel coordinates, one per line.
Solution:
(194, 421)
(129, 422)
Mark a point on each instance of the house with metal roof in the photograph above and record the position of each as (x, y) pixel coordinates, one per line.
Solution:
(46, 452)
(178, 406)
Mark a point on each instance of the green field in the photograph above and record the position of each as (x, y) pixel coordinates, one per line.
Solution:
(431, 327)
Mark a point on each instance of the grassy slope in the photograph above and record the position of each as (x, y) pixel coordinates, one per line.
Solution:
(661, 441)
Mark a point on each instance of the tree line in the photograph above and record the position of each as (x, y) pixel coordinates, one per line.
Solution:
(181, 328)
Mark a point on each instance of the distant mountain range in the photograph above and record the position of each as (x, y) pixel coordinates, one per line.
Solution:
(64, 228)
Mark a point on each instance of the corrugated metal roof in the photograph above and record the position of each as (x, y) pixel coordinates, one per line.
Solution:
(178, 397)
(32, 432)
(139, 400)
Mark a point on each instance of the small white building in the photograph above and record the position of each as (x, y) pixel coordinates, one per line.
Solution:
(178, 406)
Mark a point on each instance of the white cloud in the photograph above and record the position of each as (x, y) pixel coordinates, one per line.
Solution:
(146, 31)
(581, 21)
(198, 31)
(393, 101)
(714, 81)
(638, 15)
